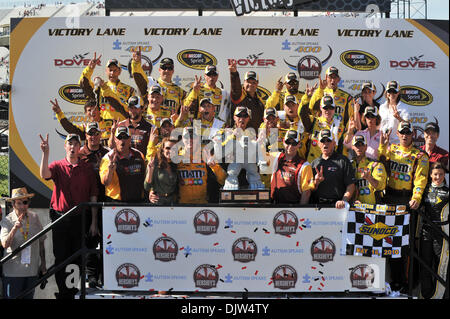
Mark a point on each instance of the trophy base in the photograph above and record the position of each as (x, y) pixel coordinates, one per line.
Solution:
(245, 196)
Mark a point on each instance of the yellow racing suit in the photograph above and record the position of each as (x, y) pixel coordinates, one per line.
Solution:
(366, 192)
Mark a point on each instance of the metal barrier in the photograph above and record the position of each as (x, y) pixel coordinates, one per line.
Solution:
(83, 251)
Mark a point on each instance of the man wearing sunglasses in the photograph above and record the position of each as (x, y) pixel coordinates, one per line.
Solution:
(334, 176)
(284, 88)
(313, 125)
(407, 169)
(122, 170)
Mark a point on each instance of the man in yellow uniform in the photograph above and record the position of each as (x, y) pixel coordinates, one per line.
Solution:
(327, 120)
(343, 100)
(99, 92)
(371, 176)
(155, 110)
(290, 84)
(407, 169)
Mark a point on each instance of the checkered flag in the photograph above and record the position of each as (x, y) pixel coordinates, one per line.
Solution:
(382, 231)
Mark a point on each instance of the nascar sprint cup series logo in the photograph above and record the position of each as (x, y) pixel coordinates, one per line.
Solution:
(206, 276)
(206, 222)
(285, 223)
(416, 96)
(244, 249)
(72, 93)
(127, 221)
(359, 60)
(165, 249)
(128, 275)
(196, 59)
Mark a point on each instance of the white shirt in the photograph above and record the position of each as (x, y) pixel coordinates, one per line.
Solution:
(389, 122)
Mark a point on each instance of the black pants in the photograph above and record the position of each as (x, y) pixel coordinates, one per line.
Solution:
(94, 262)
(66, 236)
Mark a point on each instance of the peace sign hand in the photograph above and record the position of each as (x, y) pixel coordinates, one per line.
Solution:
(93, 63)
(44, 144)
(319, 177)
(197, 83)
(55, 106)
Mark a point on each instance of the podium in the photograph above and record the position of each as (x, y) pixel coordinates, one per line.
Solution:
(245, 196)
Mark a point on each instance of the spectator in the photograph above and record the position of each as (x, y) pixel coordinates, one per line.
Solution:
(370, 175)
(92, 152)
(138, 127)
(371, 134)
(334, 178)
(161, 179)
(245, 95)
(292, 179)
(122, 170)
(432, 248)
(314, 125)
(407, 169)
(21, 272)
(366, 99)
(100, 91)
(435, 153)
(92, 113)
(393, 111)
(290, 84)
(74, 183)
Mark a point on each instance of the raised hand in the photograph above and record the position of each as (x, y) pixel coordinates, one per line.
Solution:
(55, 106)
(137, 55)
(279, 85)
(44, 144)
(93, 63)
(233, 66)
(310, 89)
(322, 83)
(197, 83)
(319, 176)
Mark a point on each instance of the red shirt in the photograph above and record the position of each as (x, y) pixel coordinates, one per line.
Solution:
(437, 155)
(73, 184)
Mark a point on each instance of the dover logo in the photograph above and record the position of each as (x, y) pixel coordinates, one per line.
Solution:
(127, 221)
(362, 276)
(128, 276)
(206, 222)
(165, 249)
(206, 276)
(359, 60)
(196, 59)
(378, 231)
(284, 277)
(285, 223)
(244, 250)
(72, 93)
(416, 96)
(323, 250)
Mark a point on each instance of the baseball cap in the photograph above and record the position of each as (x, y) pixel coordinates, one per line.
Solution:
(290, 98)
(432, 126)
(134, 101)
(292, 134)
(392, 86)
(241, 110)
(368, 85)
(164, 120)
(291, 76)
(327, 100)
(112, 62)
(155, 89)
(270, 111)
(370, 110)
(325, 134)
(332, 70)
(92, 126)
(251, 75)
(122, 130)
(205, 99)
(73, 136)
(166, 61)
(359, 139)
(404, 126)
(211, 70)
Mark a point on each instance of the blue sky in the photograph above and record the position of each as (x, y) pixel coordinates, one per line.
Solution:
(437, 9)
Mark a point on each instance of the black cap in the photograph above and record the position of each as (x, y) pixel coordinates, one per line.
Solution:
(432, 126)
(290, 98)
(122, 130)
(371, 110)
(241, 110)
(73, 136)
(392, 86)
(404, 126)
(270, 111)
(251, 75)
(359, 139)
(155, 89)
(134, 101)
(326, 133)
(205, 99)
(166, 61)
(211, 70)
(293, 135)
(291, 76)
(92, 126)
(327, 100)
(332, 70)
(368, 85)
(112, 62)
(164, 120)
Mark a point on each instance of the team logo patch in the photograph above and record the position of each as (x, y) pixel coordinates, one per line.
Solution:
(206, 222)
(127, 221)
(285, 222)
(323, 250)
(128, 275)
(284, 277)
(206, 276)
(165, 249)
(244, 250)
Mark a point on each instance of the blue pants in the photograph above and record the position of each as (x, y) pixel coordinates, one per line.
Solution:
(15, 286)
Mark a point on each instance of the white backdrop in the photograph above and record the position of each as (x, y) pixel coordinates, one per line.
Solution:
(164, 248)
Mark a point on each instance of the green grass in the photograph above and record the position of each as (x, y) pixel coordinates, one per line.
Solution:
(4, 175)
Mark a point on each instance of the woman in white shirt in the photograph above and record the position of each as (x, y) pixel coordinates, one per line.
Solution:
(392, 111)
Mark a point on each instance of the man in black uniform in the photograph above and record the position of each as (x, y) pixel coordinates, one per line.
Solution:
(334, 180)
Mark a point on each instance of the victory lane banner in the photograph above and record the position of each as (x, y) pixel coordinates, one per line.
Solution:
(227, 249)
(376, 231)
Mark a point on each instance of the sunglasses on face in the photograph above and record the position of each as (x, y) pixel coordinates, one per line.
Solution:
(291, 142)
(328, 107)
(325, 140)
(405, 132)
(23, 202)
(242, 115)
(167, 68)
(96, 133)
(123, 137)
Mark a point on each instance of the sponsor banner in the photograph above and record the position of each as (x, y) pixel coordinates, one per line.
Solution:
(270, 46)
(232, 249)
